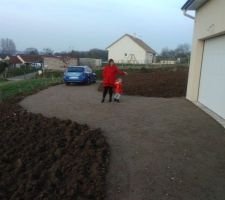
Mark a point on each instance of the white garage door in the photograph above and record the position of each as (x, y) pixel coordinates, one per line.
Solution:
(212, 83)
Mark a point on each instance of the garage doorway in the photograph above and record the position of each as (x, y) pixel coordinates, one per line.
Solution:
(212, 82)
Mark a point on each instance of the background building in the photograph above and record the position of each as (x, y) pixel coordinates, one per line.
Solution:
(130, 49)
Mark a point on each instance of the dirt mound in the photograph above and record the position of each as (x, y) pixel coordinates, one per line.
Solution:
(47, 158)
(156, 83)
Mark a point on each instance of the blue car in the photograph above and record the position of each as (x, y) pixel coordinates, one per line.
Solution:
(79, 74)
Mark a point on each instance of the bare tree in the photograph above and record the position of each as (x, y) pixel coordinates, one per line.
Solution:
(31, 51)
(48, 51)
(8, 47)
(167, 53)
(181, 53)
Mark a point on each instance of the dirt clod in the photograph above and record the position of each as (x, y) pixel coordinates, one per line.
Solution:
(47, 158)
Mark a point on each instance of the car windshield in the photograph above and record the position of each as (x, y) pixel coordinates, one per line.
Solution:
(75, 69)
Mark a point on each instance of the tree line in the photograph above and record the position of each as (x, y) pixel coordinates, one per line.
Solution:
(180, 54)
(8, 47)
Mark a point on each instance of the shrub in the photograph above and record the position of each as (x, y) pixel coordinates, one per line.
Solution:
(3, 65)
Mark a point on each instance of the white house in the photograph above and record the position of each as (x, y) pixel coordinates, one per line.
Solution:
(206, 82)
(130, 49)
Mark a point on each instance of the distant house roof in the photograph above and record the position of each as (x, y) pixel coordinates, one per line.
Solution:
(31, 58)
(193, 4)
(138, 41)
(15, 60)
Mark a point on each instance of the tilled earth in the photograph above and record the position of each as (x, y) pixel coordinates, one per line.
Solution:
(166, 83)
(48, 158)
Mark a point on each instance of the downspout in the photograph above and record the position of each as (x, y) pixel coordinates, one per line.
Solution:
(187, 15)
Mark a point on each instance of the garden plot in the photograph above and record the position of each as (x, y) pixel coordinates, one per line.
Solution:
(47, 158)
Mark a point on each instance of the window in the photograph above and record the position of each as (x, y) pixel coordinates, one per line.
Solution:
(75, 69)
(88, 70)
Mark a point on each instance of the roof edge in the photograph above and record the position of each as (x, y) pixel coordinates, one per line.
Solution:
(116, 41)
(149, 51)
(187, 4)
(193, 4)
(132, 38)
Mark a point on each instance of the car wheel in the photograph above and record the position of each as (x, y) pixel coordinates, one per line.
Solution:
(66, 83)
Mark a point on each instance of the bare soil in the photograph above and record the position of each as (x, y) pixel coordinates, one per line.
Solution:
(48, 158)
(171, 82)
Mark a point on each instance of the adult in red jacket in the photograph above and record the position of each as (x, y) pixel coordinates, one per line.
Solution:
(109, 77)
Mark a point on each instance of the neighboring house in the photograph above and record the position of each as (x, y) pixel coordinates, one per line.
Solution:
(4, 59)
(15, 62)
(130, 49)
(31, 60)
(91, 62)
(24, 60)
(206, 82)
(7, 58)
(58, 62)
(168, 62)
(49, 62)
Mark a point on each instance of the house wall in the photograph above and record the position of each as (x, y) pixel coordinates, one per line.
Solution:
(56, 63)
(72, 61)
(208, 23)
(123, 51)
(91, 62)
(169, 62)
(149, 58)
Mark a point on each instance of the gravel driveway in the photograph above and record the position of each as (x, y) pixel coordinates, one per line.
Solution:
(160, 148)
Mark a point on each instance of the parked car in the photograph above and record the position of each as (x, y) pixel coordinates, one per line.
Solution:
(79, 74)
(36, 65)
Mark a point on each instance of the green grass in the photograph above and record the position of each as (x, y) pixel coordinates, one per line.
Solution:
(52, 74)
(14, 88)
(2, 81)
(11, 72)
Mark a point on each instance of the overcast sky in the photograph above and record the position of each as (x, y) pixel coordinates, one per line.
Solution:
(85, 24)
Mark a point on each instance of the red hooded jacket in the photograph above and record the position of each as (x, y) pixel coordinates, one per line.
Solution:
(109, 75)
(118, 87)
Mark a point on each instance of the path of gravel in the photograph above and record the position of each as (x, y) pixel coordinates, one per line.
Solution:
(161, 148)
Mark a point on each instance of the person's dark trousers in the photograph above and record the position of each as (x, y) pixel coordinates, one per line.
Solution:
(105, 91)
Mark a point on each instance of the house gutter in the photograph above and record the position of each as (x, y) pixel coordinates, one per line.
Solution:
(192, 5)
(188, 15)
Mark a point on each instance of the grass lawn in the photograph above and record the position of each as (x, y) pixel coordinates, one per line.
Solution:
(19, 71)
(10, 89)
(2, 81)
